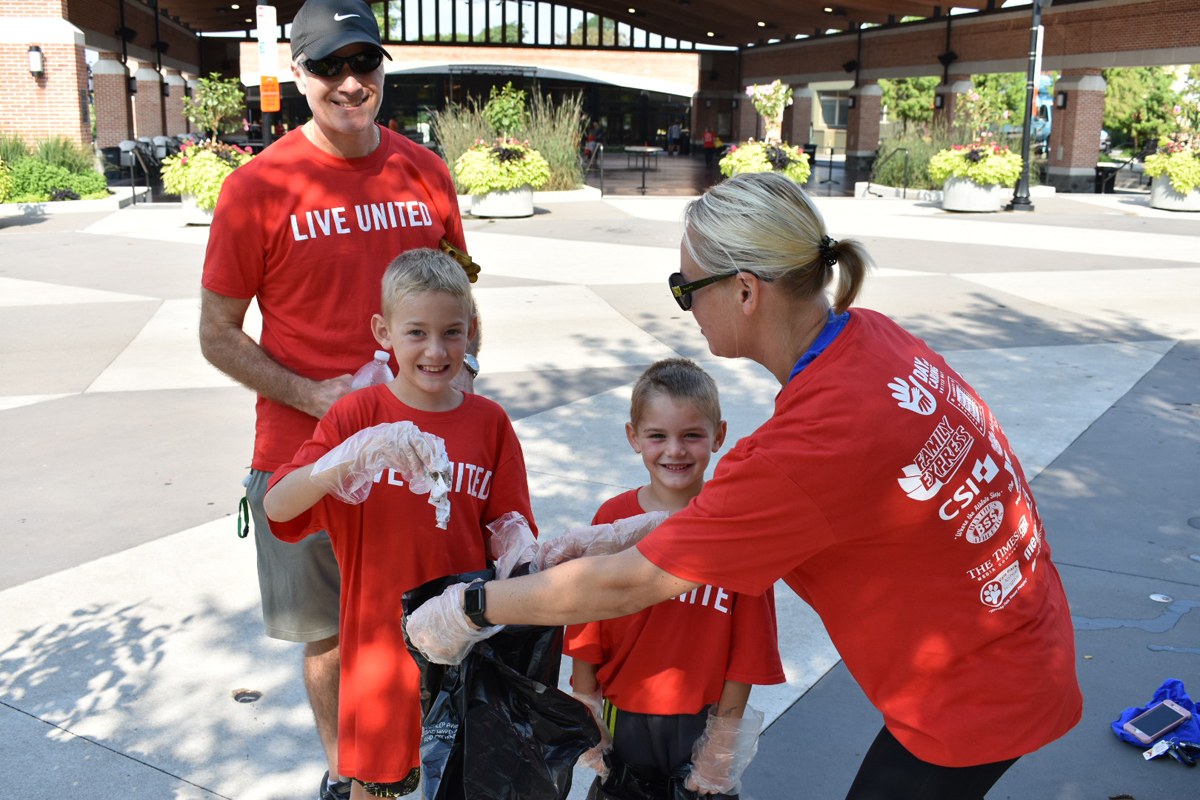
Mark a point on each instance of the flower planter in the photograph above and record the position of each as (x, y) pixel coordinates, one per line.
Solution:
(511, 203)
(1163, 195)
(192, 213)
(964, 194)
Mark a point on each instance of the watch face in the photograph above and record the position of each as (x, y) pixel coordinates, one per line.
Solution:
(472, 362)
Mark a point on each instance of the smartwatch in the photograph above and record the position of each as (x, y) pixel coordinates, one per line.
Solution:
(475, 604)
(471, 365)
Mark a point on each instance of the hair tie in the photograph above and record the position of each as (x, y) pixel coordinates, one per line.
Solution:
(828, 256)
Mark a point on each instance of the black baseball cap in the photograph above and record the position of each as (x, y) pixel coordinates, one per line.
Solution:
(324, 26)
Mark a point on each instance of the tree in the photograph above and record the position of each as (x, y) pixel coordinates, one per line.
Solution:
(216, 105)
(1004, 91)
(909, 99)
(593, 33)
(1139, 103)
(505, 110)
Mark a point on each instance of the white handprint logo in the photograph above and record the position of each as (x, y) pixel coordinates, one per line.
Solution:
(914, 396)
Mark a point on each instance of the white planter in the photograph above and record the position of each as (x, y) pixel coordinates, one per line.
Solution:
(1163, 195)
(192, 213)
(963, 194)
(512, 203)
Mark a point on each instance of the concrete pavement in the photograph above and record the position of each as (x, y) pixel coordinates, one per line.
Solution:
(129, 608)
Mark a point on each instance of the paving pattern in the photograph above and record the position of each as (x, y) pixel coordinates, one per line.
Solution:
(129, 607)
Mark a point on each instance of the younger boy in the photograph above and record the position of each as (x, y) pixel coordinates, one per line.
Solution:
(391, 542)
(660, 670)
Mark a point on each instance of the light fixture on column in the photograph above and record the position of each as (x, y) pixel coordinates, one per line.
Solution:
(132, 85)
(1060, 99)
(166, 89)
(939, 101)
(735, 103)
(853, 101)
(708, 103)
(37, 61)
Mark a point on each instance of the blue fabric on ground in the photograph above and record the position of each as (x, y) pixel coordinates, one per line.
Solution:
(1173, 690)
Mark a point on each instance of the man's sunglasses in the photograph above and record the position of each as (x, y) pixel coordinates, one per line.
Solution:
(331, 66)
(682, 292)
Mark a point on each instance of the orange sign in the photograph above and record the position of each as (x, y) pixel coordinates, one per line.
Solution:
(269, 94)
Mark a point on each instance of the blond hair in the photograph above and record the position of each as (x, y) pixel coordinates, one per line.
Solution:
(683, 381)
(766, 224)
(425, 270)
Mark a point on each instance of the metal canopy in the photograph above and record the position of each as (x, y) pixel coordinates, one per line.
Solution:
(717, 22)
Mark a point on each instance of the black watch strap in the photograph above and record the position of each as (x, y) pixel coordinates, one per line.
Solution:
(475, 604)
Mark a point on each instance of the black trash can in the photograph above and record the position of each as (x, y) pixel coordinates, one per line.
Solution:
(811, 151)
(1106, 178)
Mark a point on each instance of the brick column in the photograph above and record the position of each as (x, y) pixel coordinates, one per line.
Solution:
(110, 86)
(800, 116)
(54, 103)
(746, 121)
(147, 103)
(949, 92)
(862, 129)
(176, 124)
(1075, 131)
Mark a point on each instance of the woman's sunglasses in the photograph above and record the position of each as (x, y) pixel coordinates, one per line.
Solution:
(331, 66)
(682, 291)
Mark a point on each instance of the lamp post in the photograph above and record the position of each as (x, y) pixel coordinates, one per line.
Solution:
(1021, 201)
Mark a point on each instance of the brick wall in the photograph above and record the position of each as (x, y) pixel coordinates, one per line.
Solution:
(52, 105)
(112, 106)
(147, 104)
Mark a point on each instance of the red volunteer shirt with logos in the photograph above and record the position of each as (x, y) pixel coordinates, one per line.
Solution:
(884, 492)
(674, 657)
(310, 235)
(390, 544)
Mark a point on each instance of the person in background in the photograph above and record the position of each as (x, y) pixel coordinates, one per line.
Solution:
(710, 146)
(281, 234)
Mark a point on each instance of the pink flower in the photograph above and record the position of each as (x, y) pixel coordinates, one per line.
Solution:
(1007, 113)
(958, 147)
(245, 124)
(974, 97)
(1177, 110)
(750, 91)
(182, 161)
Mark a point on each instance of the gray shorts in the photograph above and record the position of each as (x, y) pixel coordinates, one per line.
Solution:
(300, 583)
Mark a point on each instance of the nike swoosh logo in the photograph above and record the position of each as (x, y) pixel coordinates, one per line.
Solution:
(340, 17)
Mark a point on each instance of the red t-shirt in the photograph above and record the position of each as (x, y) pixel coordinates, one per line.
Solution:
(388, 545)
(884, 492)
(310, 234)
(674, 657)
(710, 139)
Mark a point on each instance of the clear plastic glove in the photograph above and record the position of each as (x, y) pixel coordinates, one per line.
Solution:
(597, 540)
(441, 630)
(511, 544)
(594, 758)
(348, 470)
(723, 751)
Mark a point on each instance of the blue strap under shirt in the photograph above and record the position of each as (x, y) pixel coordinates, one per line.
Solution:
(833, 326)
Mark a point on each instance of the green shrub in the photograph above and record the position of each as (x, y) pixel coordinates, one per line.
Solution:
(555, 130)
(920, 150)
(200, 170)
(34, 181)
(12, 148)
(985, 164)
(500, 166)
(6, 182)
(1178, 162)
(752, 156)
(59, 151)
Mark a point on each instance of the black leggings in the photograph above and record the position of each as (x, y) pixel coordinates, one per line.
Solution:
(889, 772)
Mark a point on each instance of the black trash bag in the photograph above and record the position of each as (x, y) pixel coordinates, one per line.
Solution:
(627, 782)
(496, 727)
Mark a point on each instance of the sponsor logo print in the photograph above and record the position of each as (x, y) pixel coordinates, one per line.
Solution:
(982, 473)
(971, 408)
(913, 397)
(938, 460)
(986, 523)
(995, 593)
(928, 374)
(340, 17)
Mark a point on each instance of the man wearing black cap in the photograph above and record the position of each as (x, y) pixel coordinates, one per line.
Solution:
(307, 229)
